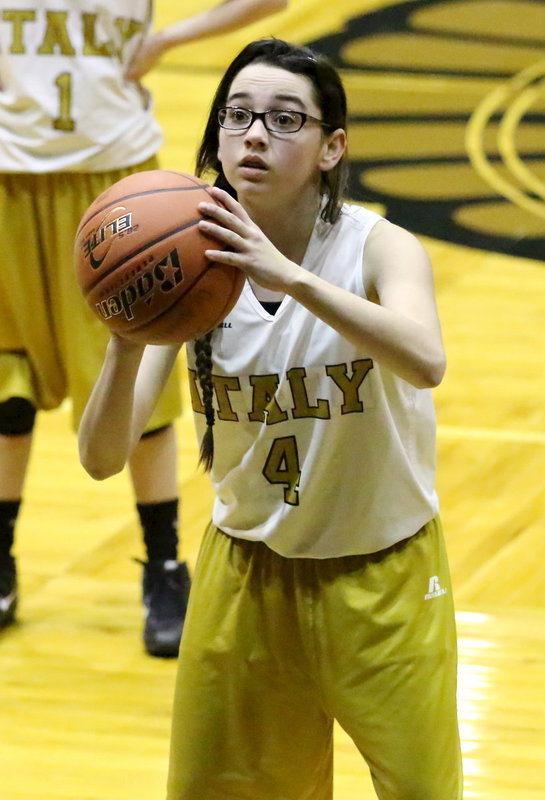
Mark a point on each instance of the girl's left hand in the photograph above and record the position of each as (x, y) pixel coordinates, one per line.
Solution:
(249, 249)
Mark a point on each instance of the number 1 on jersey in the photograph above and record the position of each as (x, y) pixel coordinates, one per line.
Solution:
(64, 122)
(282, 466)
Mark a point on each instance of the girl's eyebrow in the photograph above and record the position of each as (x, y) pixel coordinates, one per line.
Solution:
(290, 98)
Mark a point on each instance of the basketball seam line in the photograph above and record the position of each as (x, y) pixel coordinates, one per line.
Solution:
(127, 197)
(142, 248)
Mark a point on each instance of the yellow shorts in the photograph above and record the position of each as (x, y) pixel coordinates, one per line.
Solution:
(51, 344)
(275, 649)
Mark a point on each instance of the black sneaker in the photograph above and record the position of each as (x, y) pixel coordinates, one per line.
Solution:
(165, 588)
(8, 591)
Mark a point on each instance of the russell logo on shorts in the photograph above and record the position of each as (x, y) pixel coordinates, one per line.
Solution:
(434, 588)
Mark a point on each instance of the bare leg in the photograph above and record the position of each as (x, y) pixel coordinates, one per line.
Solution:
(153, 468)
(14, 458)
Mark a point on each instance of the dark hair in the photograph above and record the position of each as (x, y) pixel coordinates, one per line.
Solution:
(203, 365)
(329, 95)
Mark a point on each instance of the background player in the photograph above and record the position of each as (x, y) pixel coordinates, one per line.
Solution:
(322, 589)
(74, 119)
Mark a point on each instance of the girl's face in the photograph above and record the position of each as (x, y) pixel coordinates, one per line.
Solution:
(261, 163)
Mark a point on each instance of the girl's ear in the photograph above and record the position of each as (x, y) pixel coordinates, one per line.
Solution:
(333, 150)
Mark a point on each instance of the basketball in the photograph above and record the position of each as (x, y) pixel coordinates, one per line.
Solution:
(140, 262)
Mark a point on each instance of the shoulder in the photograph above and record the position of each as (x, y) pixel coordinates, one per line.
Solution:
(393, 256)
(353, 221)
(388, 240)
(358, 216)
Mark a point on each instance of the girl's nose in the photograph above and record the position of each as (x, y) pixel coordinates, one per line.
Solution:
(257, 130)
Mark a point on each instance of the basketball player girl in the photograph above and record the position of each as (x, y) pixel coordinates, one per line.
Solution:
(73, 120)
(322, 587)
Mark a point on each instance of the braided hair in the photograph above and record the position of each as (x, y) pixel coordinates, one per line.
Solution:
(203, 363)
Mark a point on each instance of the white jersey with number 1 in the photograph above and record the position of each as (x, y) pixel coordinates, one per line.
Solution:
(48, 103)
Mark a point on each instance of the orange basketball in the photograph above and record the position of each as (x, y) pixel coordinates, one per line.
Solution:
(140, 262)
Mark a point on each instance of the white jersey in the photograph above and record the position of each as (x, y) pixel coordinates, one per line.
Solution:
(319, 451)
(64, 102)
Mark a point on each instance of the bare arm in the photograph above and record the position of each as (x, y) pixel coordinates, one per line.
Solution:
(121, 403)
(398, 327)
(401, 329)
(399, 273)
(222, 18)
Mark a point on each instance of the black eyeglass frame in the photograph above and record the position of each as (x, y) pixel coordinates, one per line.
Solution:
(262, 115)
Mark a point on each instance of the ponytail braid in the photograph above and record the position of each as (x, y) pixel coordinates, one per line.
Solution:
(203, 363)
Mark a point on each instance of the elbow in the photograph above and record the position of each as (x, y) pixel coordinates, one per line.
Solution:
(99, 472)
(431, 373)
(99, 468)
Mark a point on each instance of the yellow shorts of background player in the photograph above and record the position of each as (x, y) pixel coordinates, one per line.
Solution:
(274, 649)
(51, 344)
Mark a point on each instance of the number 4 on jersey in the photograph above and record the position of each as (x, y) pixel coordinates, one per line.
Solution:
(282, 466)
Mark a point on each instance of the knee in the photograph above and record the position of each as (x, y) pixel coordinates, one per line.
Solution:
(17, 417)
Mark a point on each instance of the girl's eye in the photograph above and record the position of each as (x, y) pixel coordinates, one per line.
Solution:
(285, 119)
(236, 115)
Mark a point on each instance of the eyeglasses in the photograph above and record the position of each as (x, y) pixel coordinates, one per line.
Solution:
(276, 120)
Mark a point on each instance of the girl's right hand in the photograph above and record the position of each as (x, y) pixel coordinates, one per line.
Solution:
(247, 247)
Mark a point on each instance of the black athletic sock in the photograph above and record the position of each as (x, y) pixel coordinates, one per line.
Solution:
(9, 509)
(160, 528)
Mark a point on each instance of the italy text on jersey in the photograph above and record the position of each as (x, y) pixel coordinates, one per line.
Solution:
(70, 32)
(265, 405)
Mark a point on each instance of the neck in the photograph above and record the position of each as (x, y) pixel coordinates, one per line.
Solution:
(287, 224)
